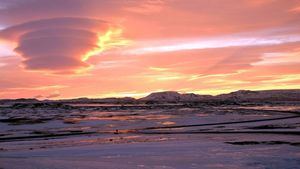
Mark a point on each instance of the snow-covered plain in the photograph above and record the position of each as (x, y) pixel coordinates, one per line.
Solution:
(199, 137)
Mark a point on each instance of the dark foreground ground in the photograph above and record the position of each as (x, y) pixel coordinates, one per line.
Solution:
(90, 136)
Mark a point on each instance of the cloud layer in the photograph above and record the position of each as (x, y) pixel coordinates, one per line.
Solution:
(56, 44)
(191, 46)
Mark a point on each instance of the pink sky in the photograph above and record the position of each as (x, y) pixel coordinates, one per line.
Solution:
(92, 48)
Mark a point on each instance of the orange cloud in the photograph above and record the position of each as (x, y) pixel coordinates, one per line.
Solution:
(62, 44)
(190, 46)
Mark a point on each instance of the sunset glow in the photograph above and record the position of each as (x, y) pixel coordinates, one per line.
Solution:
(111, 39)
(131, 48)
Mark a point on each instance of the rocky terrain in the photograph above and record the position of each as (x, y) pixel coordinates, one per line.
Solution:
(241, 96)
(172, 96)
(238, 96)
(262, 96)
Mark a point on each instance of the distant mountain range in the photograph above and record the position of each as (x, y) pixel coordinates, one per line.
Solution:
(291, 95)
(238, 96)
(172, 96)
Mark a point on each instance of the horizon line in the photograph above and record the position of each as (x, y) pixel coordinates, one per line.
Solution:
(84, 97)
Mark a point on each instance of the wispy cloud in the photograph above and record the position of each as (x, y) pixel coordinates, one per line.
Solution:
(39, 87)
(221, 42)
(278, 58)
(53, 95)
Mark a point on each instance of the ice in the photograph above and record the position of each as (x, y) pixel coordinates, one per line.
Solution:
(191, 137)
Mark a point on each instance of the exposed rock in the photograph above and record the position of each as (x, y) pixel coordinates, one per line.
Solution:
(15, 101)
(171, 96)
(167, 96)
(261, 96)
(40, 105)
(263, 143)
(21, 121)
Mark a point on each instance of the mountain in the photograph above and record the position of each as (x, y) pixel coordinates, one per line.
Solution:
(21, 100)
(172, 96)
(291, 95)
(237, 96)
(263, 95)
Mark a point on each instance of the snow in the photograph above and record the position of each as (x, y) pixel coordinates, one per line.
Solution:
(150, 139)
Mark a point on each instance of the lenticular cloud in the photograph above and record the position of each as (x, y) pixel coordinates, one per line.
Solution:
(56, 44)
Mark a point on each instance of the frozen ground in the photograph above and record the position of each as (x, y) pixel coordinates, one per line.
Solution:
(198, 137)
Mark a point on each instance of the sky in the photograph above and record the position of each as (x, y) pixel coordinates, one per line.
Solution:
(54, 49)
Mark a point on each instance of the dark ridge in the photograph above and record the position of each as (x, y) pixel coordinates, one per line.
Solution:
(263, 143)
(43, 136)
(221, 132)
(221, 123)
(233, 98)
